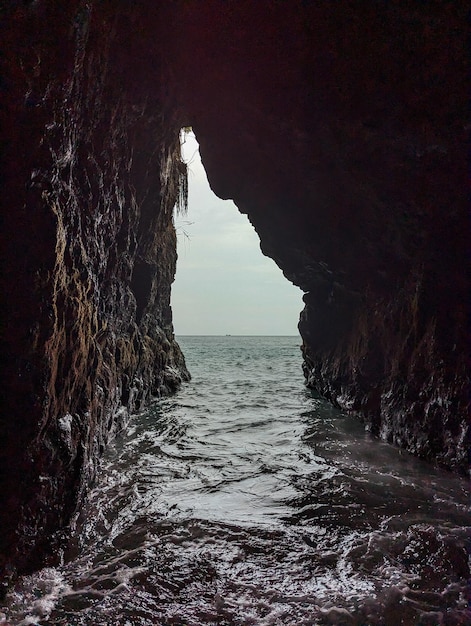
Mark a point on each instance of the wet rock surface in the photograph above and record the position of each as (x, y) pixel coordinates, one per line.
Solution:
(91, 175)
(339, 130)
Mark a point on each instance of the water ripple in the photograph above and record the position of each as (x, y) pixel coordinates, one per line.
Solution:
(245, 500)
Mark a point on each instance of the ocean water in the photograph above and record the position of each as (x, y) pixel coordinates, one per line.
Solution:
(246, 500)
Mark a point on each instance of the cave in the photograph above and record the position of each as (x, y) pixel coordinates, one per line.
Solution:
(339, 129)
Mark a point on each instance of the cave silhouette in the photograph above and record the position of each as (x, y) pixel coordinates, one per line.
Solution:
(340, 130)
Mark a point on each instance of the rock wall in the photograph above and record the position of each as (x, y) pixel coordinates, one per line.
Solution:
(339, 128)
(91, 172)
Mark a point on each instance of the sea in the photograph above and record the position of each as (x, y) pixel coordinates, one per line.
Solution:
(245, 499)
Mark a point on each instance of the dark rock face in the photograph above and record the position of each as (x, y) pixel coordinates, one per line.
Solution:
(91, 173)
(339, 130)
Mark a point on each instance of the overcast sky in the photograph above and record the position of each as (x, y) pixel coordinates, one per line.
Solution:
(224, 284)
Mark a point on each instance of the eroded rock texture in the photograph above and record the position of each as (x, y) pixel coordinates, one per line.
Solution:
(338, 127)
(91, 173)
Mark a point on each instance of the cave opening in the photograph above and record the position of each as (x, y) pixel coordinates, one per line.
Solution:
(342, 133)
(224, 284)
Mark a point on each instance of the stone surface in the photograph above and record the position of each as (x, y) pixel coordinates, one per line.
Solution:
(91, 172)
(338, 128)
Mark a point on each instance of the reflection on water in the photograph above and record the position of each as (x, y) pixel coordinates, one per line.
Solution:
(244, 500)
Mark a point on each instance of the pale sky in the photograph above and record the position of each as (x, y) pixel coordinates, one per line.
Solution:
(224, 284)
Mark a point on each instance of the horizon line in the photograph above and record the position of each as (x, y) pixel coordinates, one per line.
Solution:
(233, 335)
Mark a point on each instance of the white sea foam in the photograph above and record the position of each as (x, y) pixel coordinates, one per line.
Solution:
(244, 500)
(36, 596)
